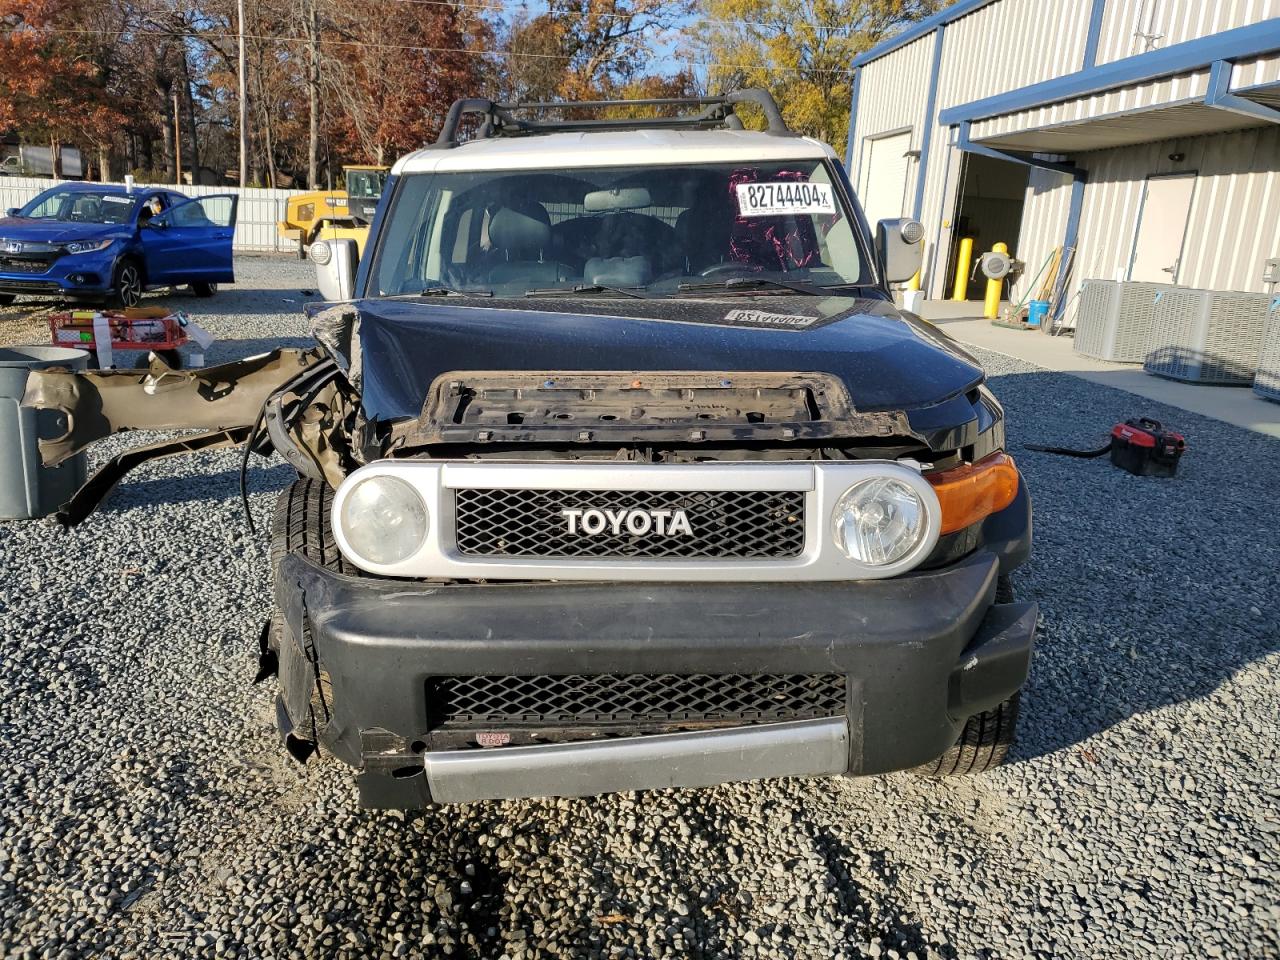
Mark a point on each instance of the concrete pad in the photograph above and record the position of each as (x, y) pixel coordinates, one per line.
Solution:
(1239, 406)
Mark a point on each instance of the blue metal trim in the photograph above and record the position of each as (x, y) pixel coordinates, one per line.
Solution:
(968, 146)
(1219, 95)
(918, 30)
(853, 119)
(1095, 33)
(1070, 237)
(930, 121)
(1253, 40)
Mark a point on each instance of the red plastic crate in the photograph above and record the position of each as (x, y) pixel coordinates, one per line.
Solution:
(136, 328)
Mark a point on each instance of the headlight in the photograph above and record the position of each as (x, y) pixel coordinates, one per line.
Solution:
(384, 520)
(320, 253)
(879, 521)
(87, 246)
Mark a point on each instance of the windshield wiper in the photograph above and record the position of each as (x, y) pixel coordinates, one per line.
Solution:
(587, 288)
(749, 283)
(438, 292)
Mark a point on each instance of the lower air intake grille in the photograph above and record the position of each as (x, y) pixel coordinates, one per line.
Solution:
(734, 525)
(633, 698)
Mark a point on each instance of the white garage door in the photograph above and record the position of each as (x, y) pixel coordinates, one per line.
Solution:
(885, 164)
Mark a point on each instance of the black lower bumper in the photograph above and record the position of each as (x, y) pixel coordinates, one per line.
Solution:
(32, 288)
(921, 652)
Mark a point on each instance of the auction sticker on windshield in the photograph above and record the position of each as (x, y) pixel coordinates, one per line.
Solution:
(780, 198)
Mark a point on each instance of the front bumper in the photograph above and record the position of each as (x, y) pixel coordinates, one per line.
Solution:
(81, 275)
(921, 653)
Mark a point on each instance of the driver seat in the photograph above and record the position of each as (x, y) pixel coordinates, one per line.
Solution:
(522, 237)
(703, 231)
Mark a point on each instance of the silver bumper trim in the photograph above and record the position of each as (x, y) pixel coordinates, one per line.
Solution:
(699, 759)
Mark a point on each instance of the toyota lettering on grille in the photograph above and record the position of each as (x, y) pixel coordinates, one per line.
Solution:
(664, 523)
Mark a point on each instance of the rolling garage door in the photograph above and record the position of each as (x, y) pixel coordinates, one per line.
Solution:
(885, 164)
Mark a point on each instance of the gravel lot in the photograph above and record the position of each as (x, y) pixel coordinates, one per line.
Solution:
(147, 810)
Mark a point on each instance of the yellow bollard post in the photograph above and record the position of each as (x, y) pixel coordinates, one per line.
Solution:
(991, 309)
(964, 263)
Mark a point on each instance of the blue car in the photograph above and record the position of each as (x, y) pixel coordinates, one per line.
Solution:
(107, 244)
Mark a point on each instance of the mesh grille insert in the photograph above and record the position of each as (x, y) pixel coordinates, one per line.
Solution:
(633, 698)
(722, 525)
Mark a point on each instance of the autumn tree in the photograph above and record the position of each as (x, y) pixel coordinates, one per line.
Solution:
(393, 73)
(587, 49)
(798, 50)
(52, 86)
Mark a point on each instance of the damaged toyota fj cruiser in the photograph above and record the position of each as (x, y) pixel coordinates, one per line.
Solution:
(618, 469)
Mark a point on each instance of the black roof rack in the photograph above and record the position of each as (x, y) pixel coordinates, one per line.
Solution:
(500, 119)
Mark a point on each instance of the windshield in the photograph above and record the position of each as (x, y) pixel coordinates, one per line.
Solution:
(81, 206)
(365, 184)
(652, 229)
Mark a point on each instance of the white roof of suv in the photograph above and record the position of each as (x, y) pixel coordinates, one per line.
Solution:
(619, 148)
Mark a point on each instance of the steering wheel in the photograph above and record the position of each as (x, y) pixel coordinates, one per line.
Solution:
(721, 269)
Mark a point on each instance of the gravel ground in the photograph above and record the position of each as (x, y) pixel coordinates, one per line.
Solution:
(148, 811)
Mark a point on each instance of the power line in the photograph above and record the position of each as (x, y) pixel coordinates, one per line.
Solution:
(505, 8)
(283, 38)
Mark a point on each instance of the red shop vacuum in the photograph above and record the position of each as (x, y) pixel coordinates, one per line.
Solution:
(1141, 446)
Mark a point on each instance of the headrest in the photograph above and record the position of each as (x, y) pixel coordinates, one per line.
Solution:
(618, 271)
(521, 230)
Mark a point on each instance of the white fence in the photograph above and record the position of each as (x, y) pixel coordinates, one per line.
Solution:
(255, 219)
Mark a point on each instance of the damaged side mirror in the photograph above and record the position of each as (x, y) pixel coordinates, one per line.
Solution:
(898, 243)
(336, 262)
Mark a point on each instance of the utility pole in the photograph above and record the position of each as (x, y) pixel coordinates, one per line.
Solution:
(244, 102)
(177, 140)
(313, 141)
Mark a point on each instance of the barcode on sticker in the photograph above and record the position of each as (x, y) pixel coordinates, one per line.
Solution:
(777, 199)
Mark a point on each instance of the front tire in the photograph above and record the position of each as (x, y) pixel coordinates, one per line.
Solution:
(126, 285)
(301, 525)
(986, 738)
(204, 289)
(6, 299)
(983, 745)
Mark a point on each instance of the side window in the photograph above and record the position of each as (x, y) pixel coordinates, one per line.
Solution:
(205, 212)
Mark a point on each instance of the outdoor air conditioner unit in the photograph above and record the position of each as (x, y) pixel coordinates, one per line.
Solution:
(1115, 320)
(1267, 382)
(1207, 336)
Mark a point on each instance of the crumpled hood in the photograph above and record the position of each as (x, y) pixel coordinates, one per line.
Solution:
(59, 231)
(888, 360)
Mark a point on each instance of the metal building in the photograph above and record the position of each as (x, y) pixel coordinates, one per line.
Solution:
(1142, 134)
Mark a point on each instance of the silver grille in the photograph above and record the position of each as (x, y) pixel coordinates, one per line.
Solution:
(751, 524)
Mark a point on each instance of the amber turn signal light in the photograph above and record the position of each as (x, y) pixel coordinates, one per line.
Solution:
(974, 491)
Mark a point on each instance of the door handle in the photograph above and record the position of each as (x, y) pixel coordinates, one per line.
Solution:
(222, 236)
